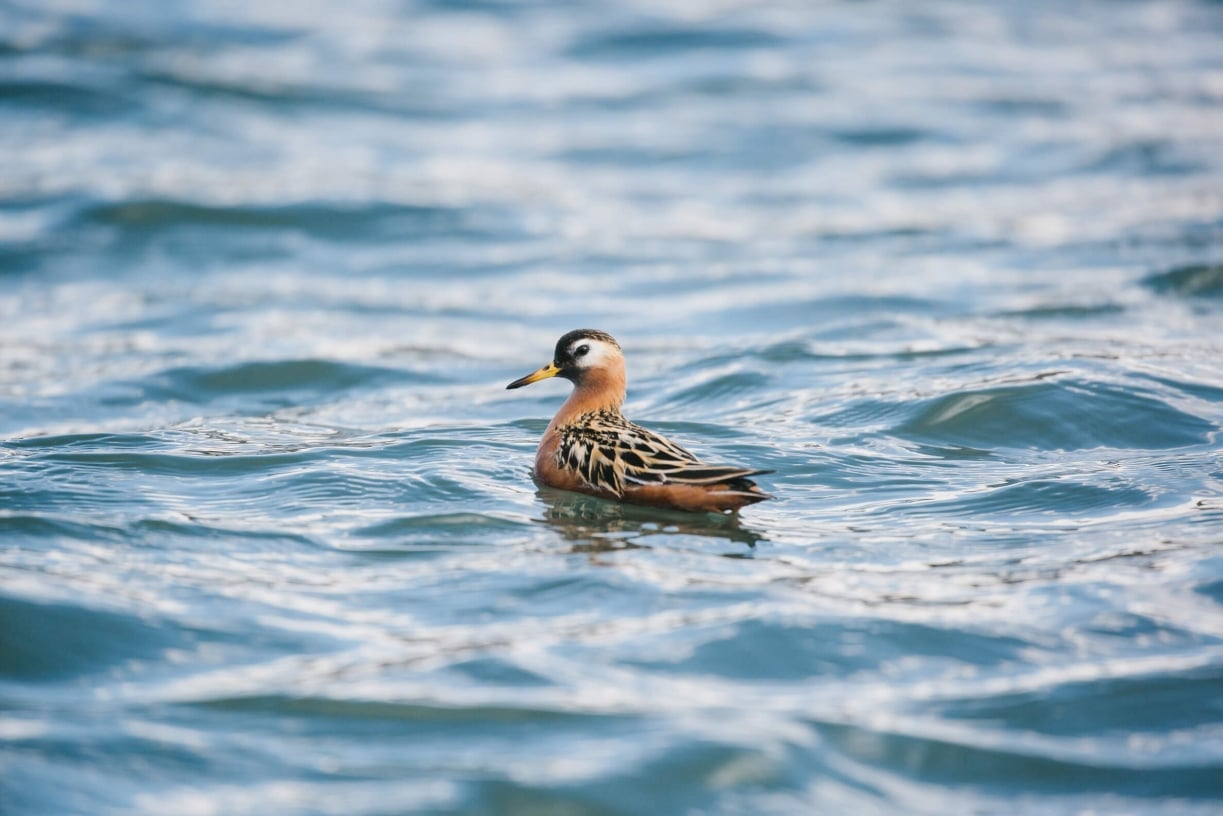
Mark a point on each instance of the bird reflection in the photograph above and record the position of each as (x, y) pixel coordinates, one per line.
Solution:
(597, 525)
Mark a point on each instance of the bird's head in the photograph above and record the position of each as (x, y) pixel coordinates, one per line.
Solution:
(580, 355)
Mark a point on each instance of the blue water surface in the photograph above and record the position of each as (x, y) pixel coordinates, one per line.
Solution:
(269, 541)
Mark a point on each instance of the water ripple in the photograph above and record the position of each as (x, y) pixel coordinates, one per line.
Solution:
(270, 541)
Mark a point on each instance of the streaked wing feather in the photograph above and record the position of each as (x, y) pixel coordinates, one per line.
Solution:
(609, 452)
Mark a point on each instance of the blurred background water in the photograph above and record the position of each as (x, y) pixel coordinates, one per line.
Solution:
(268, 537)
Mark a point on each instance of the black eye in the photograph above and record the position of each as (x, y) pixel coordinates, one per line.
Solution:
(581, 351)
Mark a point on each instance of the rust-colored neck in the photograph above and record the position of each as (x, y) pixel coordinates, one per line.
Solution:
(598, 389)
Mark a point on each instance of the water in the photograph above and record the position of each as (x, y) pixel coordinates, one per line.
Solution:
(268, 538)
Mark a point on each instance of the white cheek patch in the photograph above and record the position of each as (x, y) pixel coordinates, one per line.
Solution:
(591, 359)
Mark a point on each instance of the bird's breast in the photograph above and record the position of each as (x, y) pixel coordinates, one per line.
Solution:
(548, 469)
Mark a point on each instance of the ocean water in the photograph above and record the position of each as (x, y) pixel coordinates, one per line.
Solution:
(269, 541)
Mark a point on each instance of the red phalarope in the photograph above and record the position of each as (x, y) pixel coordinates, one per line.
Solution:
(589, 446)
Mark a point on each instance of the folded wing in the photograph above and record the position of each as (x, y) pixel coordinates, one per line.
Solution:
(613, 454)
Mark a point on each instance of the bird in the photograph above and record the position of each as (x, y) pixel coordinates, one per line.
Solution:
(590, 447)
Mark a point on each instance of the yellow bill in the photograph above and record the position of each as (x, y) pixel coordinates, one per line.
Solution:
(550, 370)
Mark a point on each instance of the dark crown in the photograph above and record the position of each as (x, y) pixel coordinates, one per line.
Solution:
(562, 346)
